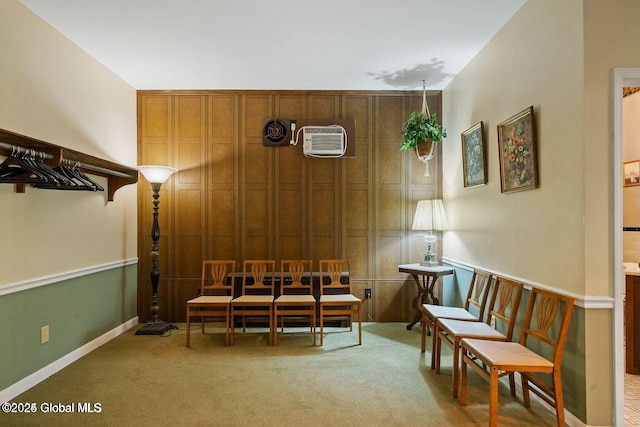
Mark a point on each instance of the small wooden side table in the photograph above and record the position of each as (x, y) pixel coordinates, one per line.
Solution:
(425, 286)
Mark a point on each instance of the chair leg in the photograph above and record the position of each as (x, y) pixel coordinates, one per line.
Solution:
(456, 366)
(437, 345)
(462, 398)
(434, 339)
(321, 325)
(359, 324)
(424, 332)
(559, 397)
(313, 325)
(273, 327)
(188, 325)
(232, 326)
(526, 401)
(512, 384)
(275, 336)
(493, 403)
(227, 322)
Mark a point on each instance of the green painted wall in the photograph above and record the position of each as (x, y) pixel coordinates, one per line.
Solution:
(77, 311)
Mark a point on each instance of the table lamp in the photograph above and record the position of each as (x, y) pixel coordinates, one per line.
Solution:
(430, 216)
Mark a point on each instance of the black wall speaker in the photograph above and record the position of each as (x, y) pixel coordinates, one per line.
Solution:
(276, 132)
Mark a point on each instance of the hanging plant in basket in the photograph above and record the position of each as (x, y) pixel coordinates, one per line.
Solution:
(421, 127)
(422, 131)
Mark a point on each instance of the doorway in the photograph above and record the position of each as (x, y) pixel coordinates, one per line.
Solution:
(621, 77)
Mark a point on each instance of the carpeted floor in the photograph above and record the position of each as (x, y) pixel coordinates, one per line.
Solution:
(158, 381)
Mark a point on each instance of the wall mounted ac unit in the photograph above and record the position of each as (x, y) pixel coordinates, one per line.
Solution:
(324, 141)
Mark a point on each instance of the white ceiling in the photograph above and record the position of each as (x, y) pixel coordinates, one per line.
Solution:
(280, 44)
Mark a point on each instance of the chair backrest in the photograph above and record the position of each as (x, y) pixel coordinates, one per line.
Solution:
(217, 277)
(258, 276)
(479, 291)
(295, 276)
(334, 276)
(544, 310)
(503, 306)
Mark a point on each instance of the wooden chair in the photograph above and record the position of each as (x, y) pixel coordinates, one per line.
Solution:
(257, 295)
(216, 292)
(476, 299)
(503, 307)
(336, 299)
(296, 295)
(493, 360)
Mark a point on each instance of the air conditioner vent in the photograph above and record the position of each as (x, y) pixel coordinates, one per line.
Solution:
(324, 141)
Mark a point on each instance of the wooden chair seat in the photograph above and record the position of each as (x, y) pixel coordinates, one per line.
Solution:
(265, 300)
(295, 299)
(339, 299)
(462, 329)
(441, 311)
(509, 355)
(210, 299)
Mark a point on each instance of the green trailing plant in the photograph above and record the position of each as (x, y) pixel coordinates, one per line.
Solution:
(421, 127)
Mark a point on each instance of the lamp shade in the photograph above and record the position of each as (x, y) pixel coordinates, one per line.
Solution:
(156, 174)
(430, 215)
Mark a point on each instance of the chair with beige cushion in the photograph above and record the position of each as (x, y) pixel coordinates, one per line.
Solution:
(544, 331)
(256, 301)
(336, 300)
(216, 292)
(296, 301)
(473, 310)
(498, 326)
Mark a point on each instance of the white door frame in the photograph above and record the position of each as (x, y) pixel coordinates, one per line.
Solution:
(621, 77)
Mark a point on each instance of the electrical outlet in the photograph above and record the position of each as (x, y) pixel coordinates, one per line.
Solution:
(367, 293)
(44, 334)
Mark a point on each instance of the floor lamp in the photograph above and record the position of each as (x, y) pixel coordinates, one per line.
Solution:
(430, 215)
(156, 175)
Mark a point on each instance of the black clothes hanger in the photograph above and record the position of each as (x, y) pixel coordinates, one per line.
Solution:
(18, 169)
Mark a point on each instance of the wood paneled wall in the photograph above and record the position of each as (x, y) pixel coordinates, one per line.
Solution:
(234, 198)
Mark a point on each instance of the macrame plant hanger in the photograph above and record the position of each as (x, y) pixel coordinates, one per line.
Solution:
(425, 110)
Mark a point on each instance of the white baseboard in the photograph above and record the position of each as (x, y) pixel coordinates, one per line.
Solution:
(42, 374)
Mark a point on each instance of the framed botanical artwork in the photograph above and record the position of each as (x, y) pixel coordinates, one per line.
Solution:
(518, 152)
(631, 173)
(474, 160)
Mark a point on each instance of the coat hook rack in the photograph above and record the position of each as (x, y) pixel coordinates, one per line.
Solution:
(53, 156)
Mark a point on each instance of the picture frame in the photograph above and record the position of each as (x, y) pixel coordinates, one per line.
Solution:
(474, 158)
(517, 147)
(631, 172)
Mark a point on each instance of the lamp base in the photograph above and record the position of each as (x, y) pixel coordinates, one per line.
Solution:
(156, 329)
(429, 260)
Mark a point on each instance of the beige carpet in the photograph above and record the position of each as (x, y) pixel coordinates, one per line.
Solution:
(158, 381)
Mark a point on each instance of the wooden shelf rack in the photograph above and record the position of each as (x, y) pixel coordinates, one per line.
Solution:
(117, 175)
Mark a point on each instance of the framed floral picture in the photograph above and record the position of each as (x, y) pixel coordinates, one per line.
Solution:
(518, 152)
(474, 160)
(631, 173)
